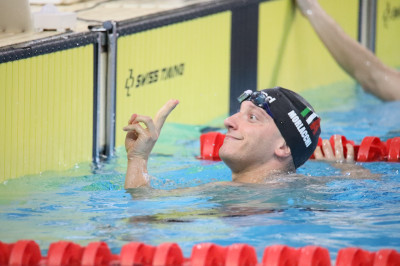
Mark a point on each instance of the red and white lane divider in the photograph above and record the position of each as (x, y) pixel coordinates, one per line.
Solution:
(371, 149)
(27, 252)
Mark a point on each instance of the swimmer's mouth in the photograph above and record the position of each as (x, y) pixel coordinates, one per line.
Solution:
(231, 137)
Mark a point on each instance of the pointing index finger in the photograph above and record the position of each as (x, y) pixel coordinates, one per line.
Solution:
(163, 113)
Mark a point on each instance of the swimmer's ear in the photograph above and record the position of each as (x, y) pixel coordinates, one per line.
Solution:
(283, 150)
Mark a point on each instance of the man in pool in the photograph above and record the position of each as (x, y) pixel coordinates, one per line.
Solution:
(275, 132)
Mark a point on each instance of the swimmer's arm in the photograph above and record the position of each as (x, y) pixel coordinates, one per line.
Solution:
(142, 135)
(136, 173)
(359, 62)
(355, 171)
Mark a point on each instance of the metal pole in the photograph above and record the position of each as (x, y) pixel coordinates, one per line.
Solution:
(112, 36)
(367, 24)
(99, 93)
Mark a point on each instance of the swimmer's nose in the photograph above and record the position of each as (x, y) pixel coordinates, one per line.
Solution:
(231, 122)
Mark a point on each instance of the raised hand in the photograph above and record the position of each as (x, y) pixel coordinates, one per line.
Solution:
(142, 135)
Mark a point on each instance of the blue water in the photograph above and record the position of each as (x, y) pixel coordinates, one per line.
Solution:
(188, 206)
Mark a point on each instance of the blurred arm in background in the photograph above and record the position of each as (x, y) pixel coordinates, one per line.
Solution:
(359, 62)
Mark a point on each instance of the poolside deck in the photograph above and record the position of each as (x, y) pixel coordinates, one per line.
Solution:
(92, 12)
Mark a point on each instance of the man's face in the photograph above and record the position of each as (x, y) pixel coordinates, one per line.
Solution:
(251, 139)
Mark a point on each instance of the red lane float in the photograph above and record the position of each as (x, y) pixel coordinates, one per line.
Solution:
(137, 253)
(241, 254)
(210, 143)
(371, 149)
(64, 253)
(168, 254)
(314, 255)
(305, 256)
(280, 255)
(355, 257)
(97, 253)
(208, 254)
(5, 250)
(393, 149)
(27, 252)
(386, 257)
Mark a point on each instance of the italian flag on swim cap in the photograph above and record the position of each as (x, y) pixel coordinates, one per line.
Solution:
(297, 122)
(311, 118)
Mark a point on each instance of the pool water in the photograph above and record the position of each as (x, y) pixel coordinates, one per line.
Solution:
(188, 205)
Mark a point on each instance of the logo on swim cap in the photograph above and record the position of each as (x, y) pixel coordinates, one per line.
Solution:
(300, 127)
(268, 98)
(312, 119)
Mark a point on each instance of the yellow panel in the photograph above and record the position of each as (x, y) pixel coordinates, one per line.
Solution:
(46, 111)
(57, 107)
(87, 107)
(8, 128)
(3, 76)
(272, 39)
(80, 138)
(28, 124)
(290, 53)
(189, 61)
(14, 120)
(85, 69)
(39, 113)
(61, 112)
(388, 32)
(32, 118)
(49, 79)
(20, 119)
(76, 95)
(45, 133)
(68, 106)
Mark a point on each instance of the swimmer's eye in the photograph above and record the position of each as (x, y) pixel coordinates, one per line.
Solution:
(253, 117)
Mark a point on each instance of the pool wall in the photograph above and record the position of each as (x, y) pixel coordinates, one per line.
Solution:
(64, 99)
(46, 101)
(291, 54)
(388, 32)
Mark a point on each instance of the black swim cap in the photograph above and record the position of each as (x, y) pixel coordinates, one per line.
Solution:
(294, 117)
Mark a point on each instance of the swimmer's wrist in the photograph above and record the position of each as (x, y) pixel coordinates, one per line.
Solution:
(135, 157)
(138, 162)
(136, 174)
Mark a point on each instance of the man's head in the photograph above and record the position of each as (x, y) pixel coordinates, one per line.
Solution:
(274, 126)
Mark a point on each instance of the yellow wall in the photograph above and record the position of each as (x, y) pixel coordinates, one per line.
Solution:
(388, 32)
(290, 53)
(46, 112)
(201, 84)
(46, 102)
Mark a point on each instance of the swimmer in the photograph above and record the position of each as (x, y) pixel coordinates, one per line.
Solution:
(275, 132)
(359, 62)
